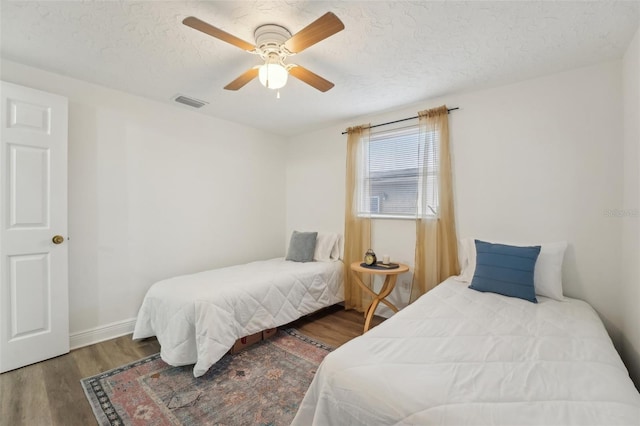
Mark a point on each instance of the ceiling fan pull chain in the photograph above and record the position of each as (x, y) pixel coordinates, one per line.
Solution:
(278, 94)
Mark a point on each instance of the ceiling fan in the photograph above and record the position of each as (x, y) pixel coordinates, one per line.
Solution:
(274, 44)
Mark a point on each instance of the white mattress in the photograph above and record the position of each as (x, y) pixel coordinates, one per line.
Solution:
(460, 357)
(197, 318)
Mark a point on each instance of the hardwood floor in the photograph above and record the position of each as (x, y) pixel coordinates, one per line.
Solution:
(49, 393)
(333, 325)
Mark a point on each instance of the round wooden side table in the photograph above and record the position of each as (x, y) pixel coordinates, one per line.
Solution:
(391, 275)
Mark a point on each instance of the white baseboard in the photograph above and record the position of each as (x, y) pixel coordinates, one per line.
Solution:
(102, 333)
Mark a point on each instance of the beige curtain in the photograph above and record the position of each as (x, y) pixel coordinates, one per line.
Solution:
(436, 242)
(357, 228)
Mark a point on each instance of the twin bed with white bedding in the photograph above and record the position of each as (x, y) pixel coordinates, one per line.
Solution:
(458, 356)
(197, 318)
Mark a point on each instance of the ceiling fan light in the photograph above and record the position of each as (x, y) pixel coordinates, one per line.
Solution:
(273, 76)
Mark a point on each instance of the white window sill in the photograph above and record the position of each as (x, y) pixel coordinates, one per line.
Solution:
(394, 217)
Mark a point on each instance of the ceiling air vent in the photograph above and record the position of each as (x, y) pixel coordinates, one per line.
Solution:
(195, 103)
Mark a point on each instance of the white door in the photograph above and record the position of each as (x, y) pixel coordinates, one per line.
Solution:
(34, 303)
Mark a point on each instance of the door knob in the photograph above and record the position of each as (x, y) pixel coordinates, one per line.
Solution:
(57, 239)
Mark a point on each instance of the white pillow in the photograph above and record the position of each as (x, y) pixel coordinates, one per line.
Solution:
(327, 247)
(547, 275)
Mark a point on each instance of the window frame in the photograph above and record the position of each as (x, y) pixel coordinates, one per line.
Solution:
(362, 190)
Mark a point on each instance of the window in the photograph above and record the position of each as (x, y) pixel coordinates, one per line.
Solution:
(394, 175)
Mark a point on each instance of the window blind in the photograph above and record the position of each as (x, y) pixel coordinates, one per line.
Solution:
(396, 173)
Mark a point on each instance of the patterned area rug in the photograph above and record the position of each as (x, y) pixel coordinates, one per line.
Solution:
(262, 385)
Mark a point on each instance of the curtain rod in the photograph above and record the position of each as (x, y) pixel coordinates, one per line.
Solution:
(401, 120)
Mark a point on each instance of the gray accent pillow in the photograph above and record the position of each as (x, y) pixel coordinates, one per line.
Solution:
(302, 246)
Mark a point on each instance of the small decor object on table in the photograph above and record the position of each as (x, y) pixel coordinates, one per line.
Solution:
(382, 265)
(370, 258)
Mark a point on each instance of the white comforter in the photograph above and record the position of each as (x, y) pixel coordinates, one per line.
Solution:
(460, 357)
(197, 318)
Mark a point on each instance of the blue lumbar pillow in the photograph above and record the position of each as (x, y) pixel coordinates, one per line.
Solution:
(506, 270)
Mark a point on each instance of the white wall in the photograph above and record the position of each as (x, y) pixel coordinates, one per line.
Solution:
(536, 161)
(631, 209)
(156, 191)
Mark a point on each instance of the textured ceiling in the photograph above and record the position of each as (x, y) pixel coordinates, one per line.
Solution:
(391, 53)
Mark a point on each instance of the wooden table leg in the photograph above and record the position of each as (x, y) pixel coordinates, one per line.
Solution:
(387, 288)
(370, 311)
(363, 285)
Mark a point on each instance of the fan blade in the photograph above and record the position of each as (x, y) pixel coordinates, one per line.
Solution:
(323, 27)
(246, 77)
(202, 26)
(312, 79)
